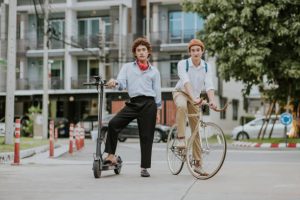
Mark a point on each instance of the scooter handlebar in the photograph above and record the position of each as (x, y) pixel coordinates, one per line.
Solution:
(96, 83)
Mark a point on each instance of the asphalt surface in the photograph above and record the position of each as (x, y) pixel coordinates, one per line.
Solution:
(246, 174)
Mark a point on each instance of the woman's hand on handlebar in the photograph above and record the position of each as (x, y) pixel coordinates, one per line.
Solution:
(112, 83)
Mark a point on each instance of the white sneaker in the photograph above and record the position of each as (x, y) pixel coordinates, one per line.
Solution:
(200, 171)
(180, 143)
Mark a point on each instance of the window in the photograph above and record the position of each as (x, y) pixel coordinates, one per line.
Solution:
(173, 69)
(87, 69)
(235, 108)
(58, 27)
(89, 29)
(184, 26)
(223, 101)
(57, 74)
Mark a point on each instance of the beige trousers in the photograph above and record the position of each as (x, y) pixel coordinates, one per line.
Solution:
(184, 105)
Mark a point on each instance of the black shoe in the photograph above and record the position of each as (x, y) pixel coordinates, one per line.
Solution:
(144, 173)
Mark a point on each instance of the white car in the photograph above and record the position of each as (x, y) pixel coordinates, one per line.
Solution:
(251, 129)
(23, 123)
(2, 126)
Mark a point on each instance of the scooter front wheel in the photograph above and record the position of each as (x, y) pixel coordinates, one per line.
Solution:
(117, 170)
(97, 168)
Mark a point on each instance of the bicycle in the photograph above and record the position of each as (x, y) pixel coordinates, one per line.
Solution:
(213, 147)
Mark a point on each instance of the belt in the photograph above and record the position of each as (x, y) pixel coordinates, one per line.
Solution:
(141, 98)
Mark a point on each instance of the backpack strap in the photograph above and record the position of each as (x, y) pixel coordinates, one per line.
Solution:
(187, 66)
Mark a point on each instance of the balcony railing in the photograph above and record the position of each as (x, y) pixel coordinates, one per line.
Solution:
(173, 37)
(96, 41)
(168, 81)
(77, 82)
(90, 41)
(56, 83)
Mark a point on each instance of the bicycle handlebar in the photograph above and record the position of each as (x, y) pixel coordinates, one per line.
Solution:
(215, 109)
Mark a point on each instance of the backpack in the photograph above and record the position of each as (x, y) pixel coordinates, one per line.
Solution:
(187, 66)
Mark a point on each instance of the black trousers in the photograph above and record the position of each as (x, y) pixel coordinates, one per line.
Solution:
(143, 109)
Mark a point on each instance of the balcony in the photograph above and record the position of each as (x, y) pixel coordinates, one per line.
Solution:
(95, 41)
(56, 83)
(77, 82)
(168, 81)
(172, 39)
(90, 41)
(25, 84)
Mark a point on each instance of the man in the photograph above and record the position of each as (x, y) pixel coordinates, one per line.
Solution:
(195, 76)
(142, 81)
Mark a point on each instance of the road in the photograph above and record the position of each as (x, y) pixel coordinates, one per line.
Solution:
(246, 174)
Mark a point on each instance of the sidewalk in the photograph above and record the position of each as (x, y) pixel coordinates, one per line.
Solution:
(8, 157)
(266, 145)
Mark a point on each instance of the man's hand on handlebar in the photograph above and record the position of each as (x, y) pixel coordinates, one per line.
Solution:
(112, 83)
(199, 101)
(212, 105)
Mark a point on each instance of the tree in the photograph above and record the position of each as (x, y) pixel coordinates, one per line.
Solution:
(252, 39)
(28, 126)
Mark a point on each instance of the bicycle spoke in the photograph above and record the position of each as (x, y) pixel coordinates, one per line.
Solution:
(213, 151)
(175, 156)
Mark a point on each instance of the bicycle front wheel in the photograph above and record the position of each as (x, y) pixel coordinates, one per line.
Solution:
(206, 151)
(175, 156)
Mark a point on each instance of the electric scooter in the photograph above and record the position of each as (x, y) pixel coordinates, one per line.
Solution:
(99, 165)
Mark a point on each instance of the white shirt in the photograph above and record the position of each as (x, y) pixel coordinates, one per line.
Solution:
(139, 82)
(196, 75)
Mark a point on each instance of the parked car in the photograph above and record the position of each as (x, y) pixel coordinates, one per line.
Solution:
(2, 126)
(63, 125)
(252, 128)
(23, 123)
(131, 131)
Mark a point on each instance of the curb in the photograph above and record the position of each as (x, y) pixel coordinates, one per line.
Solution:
(267, 145)
(7, 158)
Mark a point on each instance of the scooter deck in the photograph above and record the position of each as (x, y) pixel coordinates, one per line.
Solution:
(111, 167)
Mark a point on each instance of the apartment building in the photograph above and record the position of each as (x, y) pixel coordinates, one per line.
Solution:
(91, 37)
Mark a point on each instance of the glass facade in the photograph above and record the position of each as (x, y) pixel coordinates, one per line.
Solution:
(184, 26)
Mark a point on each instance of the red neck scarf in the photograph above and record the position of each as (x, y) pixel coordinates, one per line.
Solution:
(142, 66)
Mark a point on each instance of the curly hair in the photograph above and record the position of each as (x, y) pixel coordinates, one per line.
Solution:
(141, 41)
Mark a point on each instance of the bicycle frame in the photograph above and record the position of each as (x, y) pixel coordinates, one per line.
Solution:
(212, 145)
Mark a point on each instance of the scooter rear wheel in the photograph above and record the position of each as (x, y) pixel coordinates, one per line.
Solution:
(97, 168)
(118, 169)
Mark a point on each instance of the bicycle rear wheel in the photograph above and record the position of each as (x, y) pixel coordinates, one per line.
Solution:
(175, 156)
(213, 151)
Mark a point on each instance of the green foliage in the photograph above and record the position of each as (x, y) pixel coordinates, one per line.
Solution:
(3, 64)
(28, 128)
(252, 38)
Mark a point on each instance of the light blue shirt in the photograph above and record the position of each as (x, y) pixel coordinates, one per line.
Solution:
(138, 82)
